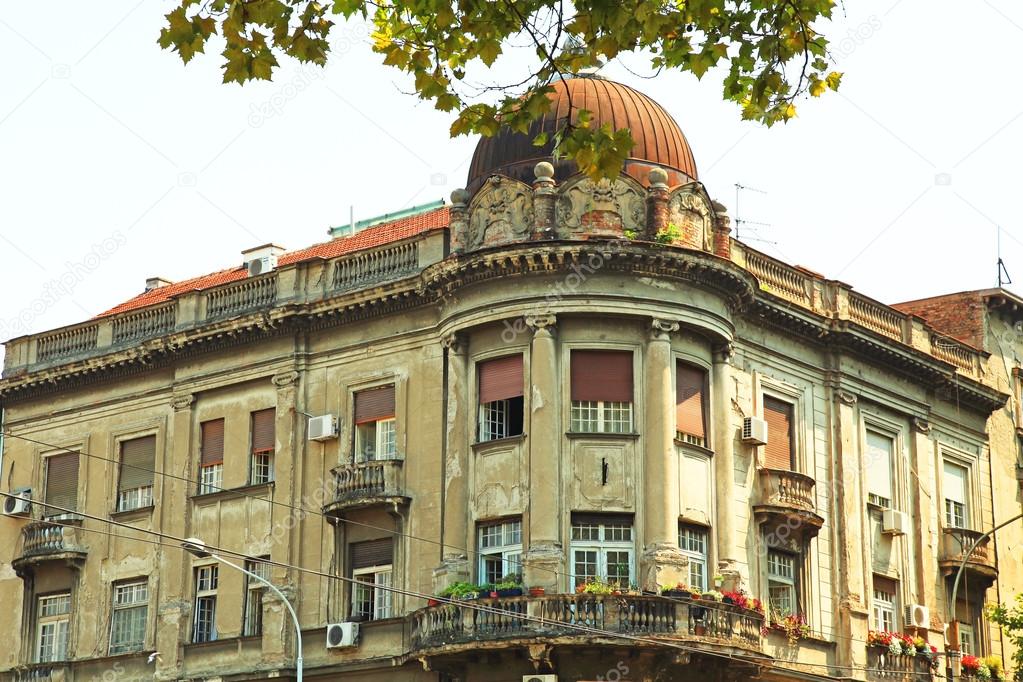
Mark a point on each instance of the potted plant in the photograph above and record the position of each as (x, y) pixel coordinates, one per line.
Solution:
(712, 595)
(510, 586)
(994, 664)
(736, 598)
(594, 586)
(537, 591)
(794, 626)
(879, 639)
(459, 590)
(677, 591)
(970, 665)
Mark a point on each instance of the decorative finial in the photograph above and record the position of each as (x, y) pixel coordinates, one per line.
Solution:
(658, 177)
(459, 197)
(544, 171)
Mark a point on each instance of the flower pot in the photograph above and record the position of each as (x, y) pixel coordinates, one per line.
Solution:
(493, 594)
(700, 629)
(727, 600)
(432, 602)
(537, 591)
(510, 592)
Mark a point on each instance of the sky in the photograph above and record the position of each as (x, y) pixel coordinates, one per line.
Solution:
(118, 163)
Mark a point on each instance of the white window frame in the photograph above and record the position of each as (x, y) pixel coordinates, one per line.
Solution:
(873, 497)
(368, 580)
(885, 610)
(690, 539)
(504, 545)
(261, 467)
(385, 440)
(135, 498)
(593, 538)
(953, 508)
(779, 580)
(967, 640)
(53, 622)
(129, 600)
(211, 478)
(252, 606)
(600, 416)
(207, 580)
(493, 420)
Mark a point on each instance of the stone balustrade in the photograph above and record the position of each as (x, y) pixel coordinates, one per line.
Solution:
(68, 342)
(250, 294)
(372, 267)
(144, 324)
(782, 488)
(367, 483)
(955, 542)
(883, 666)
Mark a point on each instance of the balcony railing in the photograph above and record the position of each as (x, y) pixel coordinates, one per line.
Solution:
(883, 666)
(41, 672)
(67, 342)
(44, 540)
(368, 483)
(781, 488)
(579, 615)
(145, 323)
(955, 542)
(249, 294)
(373, 267)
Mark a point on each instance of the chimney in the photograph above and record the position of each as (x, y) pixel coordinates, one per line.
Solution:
(156, 283)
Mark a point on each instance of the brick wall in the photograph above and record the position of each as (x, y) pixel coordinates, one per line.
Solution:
(961, 315)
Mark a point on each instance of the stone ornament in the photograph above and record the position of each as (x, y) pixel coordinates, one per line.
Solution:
(603, 208)
(692, 213)
(501, 212)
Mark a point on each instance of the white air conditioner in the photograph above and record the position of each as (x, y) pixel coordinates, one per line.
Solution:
(894, 522)
(754, 431)
(20, 504)
(918, 616)
(322, 428)
(340, 635)
(539, 678)
(259, 266)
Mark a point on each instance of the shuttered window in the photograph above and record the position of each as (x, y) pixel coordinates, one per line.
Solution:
(954, 486)
(690, 386)
(374, 404)
(879, 469)
(500, 379)
(263, 430)
(61, 483)
(372, 553)
(778, 453)
(602, 376)
(212, 443)
(137, 459)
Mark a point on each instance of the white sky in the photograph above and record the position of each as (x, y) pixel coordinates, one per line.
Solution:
(119, 163)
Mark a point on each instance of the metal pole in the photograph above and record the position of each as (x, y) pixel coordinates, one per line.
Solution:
(966, 557)
(294, 618)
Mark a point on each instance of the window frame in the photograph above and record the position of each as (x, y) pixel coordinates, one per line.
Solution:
(602, 412)
(947, 459)
(47, 510)
(119, 609)
(382, 601)
(791, 583)
(702, 559)
(379, 438)
(61, 635)
(207, 595)
(211, 476)
(681, 435)
(881, 606)
(252, 598)
(138, 497)
(891, 502)
(601, 546)
(966, 631)
(509, 552)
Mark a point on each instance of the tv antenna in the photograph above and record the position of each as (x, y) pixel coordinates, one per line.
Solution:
(1001, 264)
(739, 222)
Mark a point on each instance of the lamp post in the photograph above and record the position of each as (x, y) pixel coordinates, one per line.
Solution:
(197, 547)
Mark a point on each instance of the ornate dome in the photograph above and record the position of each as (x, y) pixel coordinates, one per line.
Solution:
(659, 140)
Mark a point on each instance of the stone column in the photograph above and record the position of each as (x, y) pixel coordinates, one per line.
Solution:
(722, 232)
(656, 203)
(544, 198)
(459, 221)
(662, 562)
(454, 565)
(723, 443)
(849, 535)
(544, 559)
(925, 536)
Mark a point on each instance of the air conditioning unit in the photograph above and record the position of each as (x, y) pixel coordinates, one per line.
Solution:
(259, 266)
(894, 522)
(918, 616)
(20, 504)
(754, 431)
(322, 428)
(340, 635)
(539, 678)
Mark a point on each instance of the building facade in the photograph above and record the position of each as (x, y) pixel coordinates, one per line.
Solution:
(587, 391)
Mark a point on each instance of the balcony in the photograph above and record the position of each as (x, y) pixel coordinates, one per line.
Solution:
(40, 672)
(453, 631)
(883, 666)
(955, 542)
(786, 503)
(43, 541)
(367, 484)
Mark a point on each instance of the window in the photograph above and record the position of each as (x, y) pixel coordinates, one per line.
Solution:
(955, 488)
(779, 453)
(61, 488)
(500, 398)
(128, 622)
(601, 391)
(967, 640)
(204, 623)
(53, 616)
(602, 548)
(371, 569)
(500, 550)
(375, 427)
(781, 583)
(135, 485)
(693, 542)
(211, 457)
(885, 604)
(261, 468)
(879, 469)
(252, 617)
(690, 406)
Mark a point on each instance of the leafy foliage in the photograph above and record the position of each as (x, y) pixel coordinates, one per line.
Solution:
(768, 50)
(1011, 619)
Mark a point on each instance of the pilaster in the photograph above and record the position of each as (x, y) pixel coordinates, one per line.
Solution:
(723, 444)
(454, 565)
(656, 204)
(544, 199)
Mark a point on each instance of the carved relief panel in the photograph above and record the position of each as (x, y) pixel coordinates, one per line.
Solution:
(693, 215)
(603, 208)
(501, 212)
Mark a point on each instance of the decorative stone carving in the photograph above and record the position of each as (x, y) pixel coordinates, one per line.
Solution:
(662, 329)
(847, 398)
(921, 425)
(454, 342)
(602, 208)
(284, 379)
(694, 217)
(540, 323)
(501, 212)
(182, 402)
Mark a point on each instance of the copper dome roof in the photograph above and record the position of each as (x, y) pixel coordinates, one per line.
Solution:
(659, 140)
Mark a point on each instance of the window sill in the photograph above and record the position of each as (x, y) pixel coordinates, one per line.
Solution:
(497, 442)
(378, 622)
(702, 449)
(602, 435)
(133, 514)
(226, 641)
(233, 493)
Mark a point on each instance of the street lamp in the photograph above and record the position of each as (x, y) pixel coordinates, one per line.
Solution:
(198, 548)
